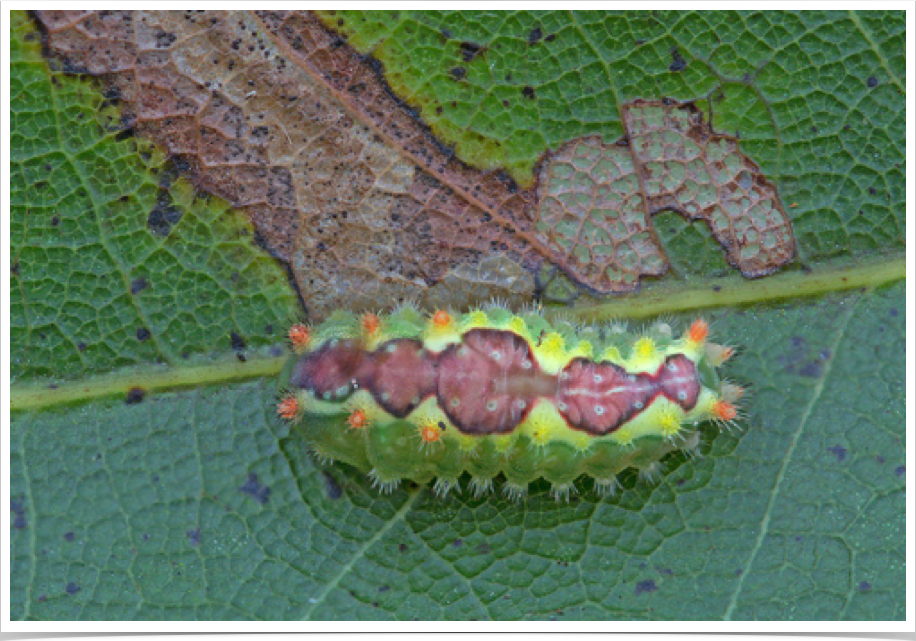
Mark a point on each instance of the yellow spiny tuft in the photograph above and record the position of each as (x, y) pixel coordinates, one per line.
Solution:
(669, 420)
(612, 354)
(554, 343)
(623, 436)
(582, 442)
(551, 353)
(645, 355)
(475, 319)
(503, 444)
(584, 349)
(518, 326)
(540, 436)
(538, 426)
(644, 349)
(467, 443)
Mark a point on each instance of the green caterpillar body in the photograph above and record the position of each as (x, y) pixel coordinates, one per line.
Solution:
(433, 396)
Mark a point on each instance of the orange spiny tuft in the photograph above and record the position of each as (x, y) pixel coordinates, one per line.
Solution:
(724, 410)
(371, 324)
(358, 420)
(299, 337)
(429, 433)
(442, 319)
(288, 408)
(698, 331)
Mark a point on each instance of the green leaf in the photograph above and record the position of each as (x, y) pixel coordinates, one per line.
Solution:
(197, 503)
(115, 260)
(815, 97)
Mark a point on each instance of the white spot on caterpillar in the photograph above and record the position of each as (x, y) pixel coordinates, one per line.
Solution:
(491, 406)
(599, 410)
(638, 405)
(598, 378)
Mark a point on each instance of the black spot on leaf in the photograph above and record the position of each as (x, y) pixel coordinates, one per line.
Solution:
(812, 369)
(163, 216)
(260, 493)
(677, 61)
(72, 588)
(645, 586)
(135, 395)
(470, 50)
(238, 343)
(137, 285)
(143, 334)
(839, 451)
(18, 510)
(872, 82)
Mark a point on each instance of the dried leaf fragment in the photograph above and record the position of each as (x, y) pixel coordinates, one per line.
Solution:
(686, 167)
(277, 114)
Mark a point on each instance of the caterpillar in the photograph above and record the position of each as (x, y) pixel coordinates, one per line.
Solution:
(423, 396)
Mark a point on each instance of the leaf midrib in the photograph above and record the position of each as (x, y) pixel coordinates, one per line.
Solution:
(701, 294)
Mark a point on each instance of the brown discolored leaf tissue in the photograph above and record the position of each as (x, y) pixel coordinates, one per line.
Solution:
(277, 114)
